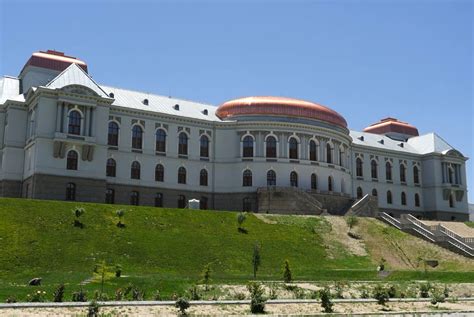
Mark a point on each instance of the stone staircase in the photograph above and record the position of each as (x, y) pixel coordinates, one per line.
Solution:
(284, 200)
(438, 233)
(367, 206)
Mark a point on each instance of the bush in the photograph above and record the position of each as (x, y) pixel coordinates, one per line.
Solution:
(326, 303)
(437, 297)
(119, 294)
(382, 264)
(79, 296)
(11, 299)
(36, 297)
(120, 213)
(364, 293)
(118, 270)
(339, 290)
(287, 272)
(194, 293)
(381, 295)
(425, 290)
(314, 295)
(157, 295)
(182, 304)
(352, 221)
(299, 293)
(257, 301)
(99, 296)
(241, 217)
(93, 309)
(392, 291)
(78, 212)
(446, 291)
(58, 294)
(240, 296)
(273, 291)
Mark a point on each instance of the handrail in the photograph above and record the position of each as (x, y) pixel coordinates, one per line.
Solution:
(418, 223)
(360, 201)
(455, 236)
(394, 222)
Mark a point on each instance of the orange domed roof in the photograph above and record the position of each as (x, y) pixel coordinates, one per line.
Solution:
(279, 106)
(390, 125)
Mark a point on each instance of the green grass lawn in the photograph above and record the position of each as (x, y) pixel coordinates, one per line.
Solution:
(165, 249)
(470, 224)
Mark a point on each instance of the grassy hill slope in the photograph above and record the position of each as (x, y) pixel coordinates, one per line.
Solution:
(166, 249)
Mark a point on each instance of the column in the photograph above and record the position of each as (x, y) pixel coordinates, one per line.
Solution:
(58, 117)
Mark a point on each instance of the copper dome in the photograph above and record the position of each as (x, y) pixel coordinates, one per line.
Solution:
(279, 106)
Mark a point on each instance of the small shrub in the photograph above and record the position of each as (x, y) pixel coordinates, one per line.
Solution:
(11, 299)
(257, 301)
(352, 221)
(339, 290)
(36, 297)
(78, 212)
(194, 293)
(425, 290)
(118, 270)
(138, 294)
(326, 302)
(241, 217)
(120, 213)
(392, 291)
(119, 294)
(93, 309)
(381, 295)
(314, 295)
(273, 291)
(206, 276)
(290, 287)
(157, 295)
(58, 294)
(446, 291)
(240, 296)
(382, 265)
(299, 293)
(287, 272)
(182, 304)
(99, 296)
(364, 293)
(79, 296)
(437, 297)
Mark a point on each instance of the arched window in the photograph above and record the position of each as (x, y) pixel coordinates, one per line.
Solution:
(74, 123)
(360, 194)
(159, 173)
(159, 200)
(373, 169)
(389, 197)
(388, 171)
(135, 170)
(330, 185)
(247, 178)
(137, 137)
(403, 198)
(271, 147)
(313, 151)
(183, 144)
(403, 178)
(204, 150)
(203, 178)
(203, 203)
(293, 145)
(341, 156)
(112, 138)
(71, 191)
(111, 168)
(271, 178)
(181, 175)
(314, 181)
(134, 198)
(293, 179)
(109, 196)
(246, 204)
(71, 163)
(374, 192)
(416, 175)
(328, 153)
(417, 200)
(451, 201)
(359, 167)
(160, 141)
(247, 146)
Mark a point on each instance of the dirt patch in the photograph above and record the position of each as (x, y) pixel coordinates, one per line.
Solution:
(339, 233)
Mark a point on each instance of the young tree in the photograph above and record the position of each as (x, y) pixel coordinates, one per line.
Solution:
(120, 213)
(257, 301)
(241, 217)
(182, 304)
(352, 221)
(256, 259)
(326, 303)
(78, 212)
(206, 276)
(103, 272)
(287, 272)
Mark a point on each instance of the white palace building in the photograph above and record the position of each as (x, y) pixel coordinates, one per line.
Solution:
(65, 137)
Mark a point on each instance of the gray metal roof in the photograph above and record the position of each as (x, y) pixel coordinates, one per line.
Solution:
(161, 104)
(423, 144)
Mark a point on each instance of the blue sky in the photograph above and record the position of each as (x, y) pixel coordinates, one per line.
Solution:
(412, 60)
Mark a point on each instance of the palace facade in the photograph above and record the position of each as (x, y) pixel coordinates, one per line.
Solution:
(65, 137)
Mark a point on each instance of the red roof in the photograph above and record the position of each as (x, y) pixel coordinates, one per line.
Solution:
(388, 125)
(279, 106)
(54, 60)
